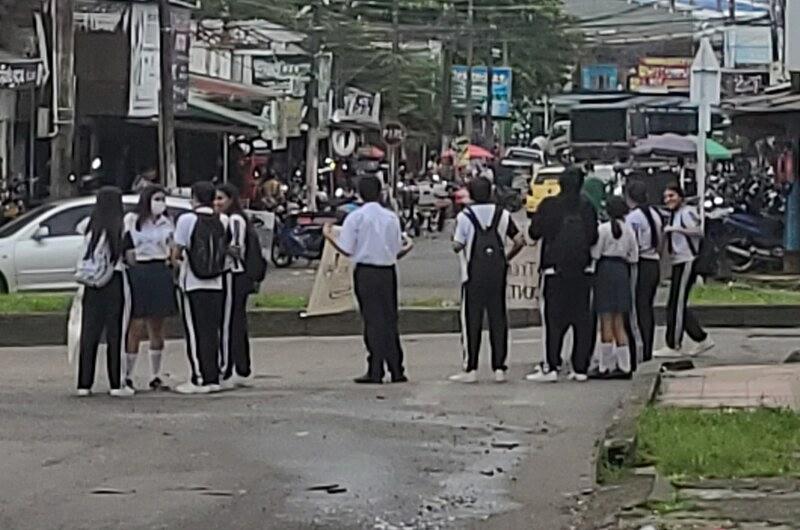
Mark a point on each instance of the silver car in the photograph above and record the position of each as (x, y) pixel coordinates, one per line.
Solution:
(39, 249)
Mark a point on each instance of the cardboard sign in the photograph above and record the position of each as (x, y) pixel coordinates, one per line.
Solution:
(522, 288)
(333, 286)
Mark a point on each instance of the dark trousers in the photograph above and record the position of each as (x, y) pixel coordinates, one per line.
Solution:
(566, 302)
(479, 297)
(376, 291)
(103, 311)
(235, 342)
(648, 276)
(202, 321)
(679, 316)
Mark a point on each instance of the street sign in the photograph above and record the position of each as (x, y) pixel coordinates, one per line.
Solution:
(344, 142)
(393, 133)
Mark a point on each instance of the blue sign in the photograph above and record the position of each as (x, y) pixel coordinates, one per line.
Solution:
(502, 81)
(600, 77)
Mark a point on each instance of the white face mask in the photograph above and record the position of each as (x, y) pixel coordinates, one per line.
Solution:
(158, 207)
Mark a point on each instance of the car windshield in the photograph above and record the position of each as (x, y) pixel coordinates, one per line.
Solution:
(20, 222)
(543, 177)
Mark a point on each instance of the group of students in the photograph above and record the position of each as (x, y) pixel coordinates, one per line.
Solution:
(139, 268)
(590, 273)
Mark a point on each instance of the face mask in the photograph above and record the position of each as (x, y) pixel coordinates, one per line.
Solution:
(158, 207)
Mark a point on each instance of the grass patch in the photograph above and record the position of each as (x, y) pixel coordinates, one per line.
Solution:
(35, 303)
(742, 294)
(720, 443)
(278, 301)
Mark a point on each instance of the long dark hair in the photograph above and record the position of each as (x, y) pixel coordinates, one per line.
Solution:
(106, 219)
(232, 192)
(617, 209)
(637, 193)
(143, 210)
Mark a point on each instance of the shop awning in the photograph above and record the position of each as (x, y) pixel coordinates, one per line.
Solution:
(774, 100)
(222, 89)
(220, 112)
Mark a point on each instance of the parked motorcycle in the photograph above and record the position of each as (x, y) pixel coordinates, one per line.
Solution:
(753, 242)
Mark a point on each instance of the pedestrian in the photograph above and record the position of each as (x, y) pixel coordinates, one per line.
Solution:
(147, 242)
(683, 234)
(567, 226)
(647, 224)
(372, 238)
(99, 270)
(615, 251)
(481, 231)
(201, 241)
(237, 287)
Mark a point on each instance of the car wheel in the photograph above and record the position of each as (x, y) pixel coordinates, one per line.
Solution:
(280, 258)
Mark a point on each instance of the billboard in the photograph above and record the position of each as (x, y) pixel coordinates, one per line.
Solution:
(502, 80)
(662, 74)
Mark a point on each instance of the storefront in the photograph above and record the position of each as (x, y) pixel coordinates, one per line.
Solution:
(19, 79)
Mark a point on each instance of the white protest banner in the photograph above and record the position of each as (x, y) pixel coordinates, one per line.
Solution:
(333, 286)
(523, 279)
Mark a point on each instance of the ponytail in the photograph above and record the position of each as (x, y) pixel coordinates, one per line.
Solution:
(616, 229)
(617, 210)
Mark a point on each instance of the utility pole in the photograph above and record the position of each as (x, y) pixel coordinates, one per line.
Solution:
(168, 172)
(489, 121)
(395, 95)
(61, 154)
(447, 68)
(312, 104)
(732, 10)
(470, 59)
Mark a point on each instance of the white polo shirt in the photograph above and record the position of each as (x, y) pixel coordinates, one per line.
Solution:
(187, 281)
(371, 235)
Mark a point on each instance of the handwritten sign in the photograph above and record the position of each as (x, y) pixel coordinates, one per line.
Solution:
(523, 279)
(333, 286)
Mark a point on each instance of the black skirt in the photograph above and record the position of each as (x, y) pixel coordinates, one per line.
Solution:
(152, 290)
(612, 291)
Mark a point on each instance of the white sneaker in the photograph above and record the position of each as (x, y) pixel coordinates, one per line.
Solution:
(123, 392)
(667, 352)
(499, 376)
(83, 392)
(702, 347)
(465, 377)
(213, 389)
(228, 384)
(241, 381)
(578, 378)
(191, 388)
(543, 377)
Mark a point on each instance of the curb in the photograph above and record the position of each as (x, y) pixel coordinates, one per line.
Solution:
(47, 329)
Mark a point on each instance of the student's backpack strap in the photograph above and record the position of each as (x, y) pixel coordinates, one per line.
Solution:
(474, 219)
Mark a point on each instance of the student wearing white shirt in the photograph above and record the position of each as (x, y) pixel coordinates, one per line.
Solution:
(147, 242)
(483, 277)
(235, 348)
(201, 248)
(646, 222)
(372, 238)
(615, 251)
(683, 234)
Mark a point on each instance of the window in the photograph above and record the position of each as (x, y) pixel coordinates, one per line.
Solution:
(64, 223)
(12, 227)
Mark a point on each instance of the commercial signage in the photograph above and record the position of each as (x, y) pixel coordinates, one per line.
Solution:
(748, 46)
(145, 74)
(285, 75)
(662, 74)
(18, 75)
(355, 107)
(600, 77)
(502, 80)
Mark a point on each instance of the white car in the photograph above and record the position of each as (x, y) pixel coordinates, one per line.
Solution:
(39, 249)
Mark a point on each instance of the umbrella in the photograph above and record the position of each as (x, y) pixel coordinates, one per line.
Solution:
(677, 144)
(475, 151)
(370, 151)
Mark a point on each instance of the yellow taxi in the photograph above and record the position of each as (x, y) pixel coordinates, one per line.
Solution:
(544, 184)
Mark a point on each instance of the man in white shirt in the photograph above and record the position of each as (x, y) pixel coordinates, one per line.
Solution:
(484, 264)
(201, 293)
(371, 236)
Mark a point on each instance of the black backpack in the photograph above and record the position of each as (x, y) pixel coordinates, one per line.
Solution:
(208, 247)
(255, 266)
(572, 249)
(487, 260)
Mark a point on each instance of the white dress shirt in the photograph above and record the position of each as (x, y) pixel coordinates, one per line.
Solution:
(607, 246)
(187, 281)
(152, 241)
(371, 235)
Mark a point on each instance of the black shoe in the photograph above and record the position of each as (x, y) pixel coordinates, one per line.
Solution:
(401, 379)
(367, 380)
(158, 384)
(129, 383)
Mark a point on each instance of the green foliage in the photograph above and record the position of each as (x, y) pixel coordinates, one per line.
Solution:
(721, 443)
(742, 294)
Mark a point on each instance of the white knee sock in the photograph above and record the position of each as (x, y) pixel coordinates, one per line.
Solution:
(623, 355)
(607, 360)
(155, 362)
(130, 364)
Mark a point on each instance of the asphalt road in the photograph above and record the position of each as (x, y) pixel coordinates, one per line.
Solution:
(428, 454)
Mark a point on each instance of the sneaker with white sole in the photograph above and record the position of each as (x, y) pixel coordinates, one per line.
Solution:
(191, 388)
(667, 352)
(465, 377)
(578, 378)
(499, 376)
(213, 389)
(241, 381)
(543, 377)
(83, 392)
(702, 347)
(123, 392)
